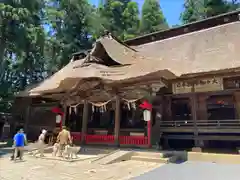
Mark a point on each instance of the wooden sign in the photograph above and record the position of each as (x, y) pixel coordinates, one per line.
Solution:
(182, 87)
(210, 84)
(231, 83)
(202, 85)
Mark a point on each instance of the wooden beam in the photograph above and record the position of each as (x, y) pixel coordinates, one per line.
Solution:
(117, 120)
(84, 121)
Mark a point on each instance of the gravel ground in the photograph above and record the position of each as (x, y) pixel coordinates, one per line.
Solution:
(40, 169)
(193, 171)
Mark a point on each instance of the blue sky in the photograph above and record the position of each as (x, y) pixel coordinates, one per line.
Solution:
(171, 9)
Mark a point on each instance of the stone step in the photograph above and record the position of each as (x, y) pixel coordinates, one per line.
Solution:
(150, 159)
(153, 154)
(113, 157)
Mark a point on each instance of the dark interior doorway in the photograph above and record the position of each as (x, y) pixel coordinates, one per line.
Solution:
(221, 108)
(181, 109)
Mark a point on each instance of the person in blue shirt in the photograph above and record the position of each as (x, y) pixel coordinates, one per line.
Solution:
(19, 142)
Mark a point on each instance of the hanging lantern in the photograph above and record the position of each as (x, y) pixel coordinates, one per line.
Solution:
(146, 115)
(58, 119)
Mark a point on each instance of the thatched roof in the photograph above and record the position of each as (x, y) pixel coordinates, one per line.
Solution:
(116, 65)
(212, 49)
(110, 63)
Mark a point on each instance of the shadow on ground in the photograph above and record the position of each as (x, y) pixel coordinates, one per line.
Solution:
(5, 152)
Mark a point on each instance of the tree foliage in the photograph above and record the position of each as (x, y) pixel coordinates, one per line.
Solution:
(152, 17)
(120, 18)
(195, 10)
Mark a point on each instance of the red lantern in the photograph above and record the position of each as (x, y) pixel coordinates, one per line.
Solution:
(146, 105)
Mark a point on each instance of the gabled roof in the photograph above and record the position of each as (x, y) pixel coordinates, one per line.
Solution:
(110, 63)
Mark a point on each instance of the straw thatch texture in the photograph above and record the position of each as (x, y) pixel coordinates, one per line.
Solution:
(131, 66)
(207, 50)
(115, 65)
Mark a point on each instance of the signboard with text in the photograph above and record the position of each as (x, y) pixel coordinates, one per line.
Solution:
(210, 84)
(201, 85)
(182, 87)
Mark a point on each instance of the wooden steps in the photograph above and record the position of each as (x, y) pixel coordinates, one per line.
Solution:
(156, 157)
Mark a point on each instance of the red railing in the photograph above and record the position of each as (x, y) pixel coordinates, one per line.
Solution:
(76, 136)
(133, 140)
(109, 139)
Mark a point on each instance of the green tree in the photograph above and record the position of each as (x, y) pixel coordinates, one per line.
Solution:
(70, 27)
(195, 10)
(120, 17)
(21, 45)
(216, 7)
(131, 20)
(152, 17)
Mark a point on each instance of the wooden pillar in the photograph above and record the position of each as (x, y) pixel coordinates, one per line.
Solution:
(237, 103)
(117, 121)
(84, 121)
(237, 107)
(202, 109)
(27, 117)
(63, 123)
(167, 111)
(203, 114)
(194, 117)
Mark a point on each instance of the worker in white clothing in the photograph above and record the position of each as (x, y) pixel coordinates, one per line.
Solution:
(41, 143)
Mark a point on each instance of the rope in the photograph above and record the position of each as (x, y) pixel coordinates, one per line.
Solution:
(131, 100)
(76, 105)
(100, 104)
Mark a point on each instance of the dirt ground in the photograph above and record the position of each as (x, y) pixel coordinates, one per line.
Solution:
(42, 169)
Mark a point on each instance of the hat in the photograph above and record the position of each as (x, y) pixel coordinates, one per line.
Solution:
(21, 130)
